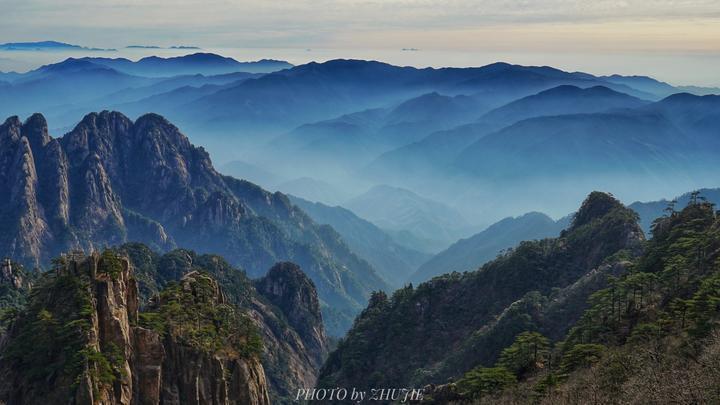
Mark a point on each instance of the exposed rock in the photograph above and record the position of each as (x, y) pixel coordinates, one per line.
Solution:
(123, 363)
(111, 180)
(284, 307)
(287, 287)
(10, 277)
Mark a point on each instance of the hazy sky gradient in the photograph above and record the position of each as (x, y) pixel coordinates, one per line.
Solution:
(685, 31)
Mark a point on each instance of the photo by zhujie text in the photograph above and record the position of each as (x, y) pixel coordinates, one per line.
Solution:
(398, 202)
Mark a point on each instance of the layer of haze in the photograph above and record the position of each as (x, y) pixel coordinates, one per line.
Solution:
(674, 40)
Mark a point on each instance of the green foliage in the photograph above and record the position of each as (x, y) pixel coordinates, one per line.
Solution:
(7, 317)
(704, 306)
(14, 297)
(528, 353)
(580, 356)
(646, 332)
(674, 284)
(190, 312)
(458, 321)
(100, 367)
(547, 383)
(482, 381)
(110, 264)
(52, 330)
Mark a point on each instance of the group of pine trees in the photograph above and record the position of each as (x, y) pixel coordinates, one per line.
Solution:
(653, 333)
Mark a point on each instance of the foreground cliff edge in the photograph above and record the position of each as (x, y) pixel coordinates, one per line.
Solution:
(82, 340)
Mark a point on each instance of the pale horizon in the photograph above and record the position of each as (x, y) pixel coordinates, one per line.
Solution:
(672, 40)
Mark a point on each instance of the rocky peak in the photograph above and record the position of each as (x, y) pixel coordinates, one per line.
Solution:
(596, 205)
(102, 134)
(287, 287)
(203, 288)
(36, 130)
(111, 180)
(10, 130)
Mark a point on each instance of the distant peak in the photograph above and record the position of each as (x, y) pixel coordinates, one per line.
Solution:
(498, 65)
(596, 205)
(288, 271)
(35, 129)
(685, 97)
(93, 117)
(36, 119)
(13, 121)
(601, 88)
(563, 89)
(152, 118)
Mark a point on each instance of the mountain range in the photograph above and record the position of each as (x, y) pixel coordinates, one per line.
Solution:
(444, 327)
(473, 252)
(112, 180)
(437, 132)
(597, 312)
(46, 46)
(207, 64)
(136, 272)
(66, 90)
(392, 261)
(413, 220)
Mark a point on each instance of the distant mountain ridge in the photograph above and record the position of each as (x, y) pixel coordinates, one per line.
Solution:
(317, 91)
(439, 149)
(196, 63)
(650, 211)
(392, 261)
(341, 134)
(46, 46)
(562, 100)
(471, 253)
(410, 218)
(352, 140)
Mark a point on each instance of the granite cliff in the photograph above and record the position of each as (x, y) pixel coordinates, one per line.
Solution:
(81, 339)
(111, 180)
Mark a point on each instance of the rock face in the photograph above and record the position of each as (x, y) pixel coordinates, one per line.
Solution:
(287, 287)
(284, 307)
(10, 277)
(294, 353)
(14, 286)
(111, 180)
(108, 358)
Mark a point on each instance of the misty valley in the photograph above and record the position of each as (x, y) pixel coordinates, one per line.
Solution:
(195, 229)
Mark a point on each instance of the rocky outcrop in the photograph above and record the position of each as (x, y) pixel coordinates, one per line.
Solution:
(288, 314)
(113, 360)
(10, 277)
(284, 307)
(287, 287)
(192, 377)
(111, 180)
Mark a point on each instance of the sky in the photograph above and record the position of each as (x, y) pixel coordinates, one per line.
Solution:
(675, 40)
